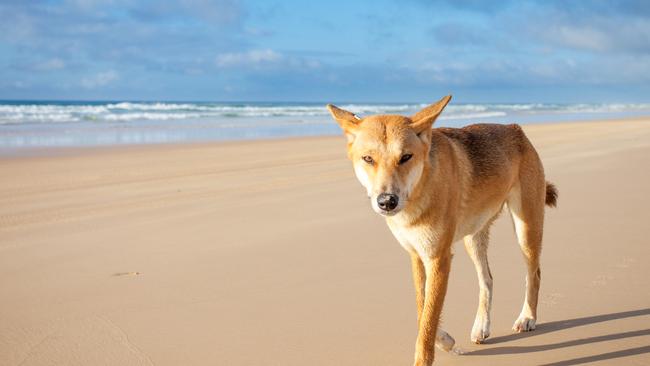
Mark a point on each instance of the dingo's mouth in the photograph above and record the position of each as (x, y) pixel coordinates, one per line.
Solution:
(387, 213)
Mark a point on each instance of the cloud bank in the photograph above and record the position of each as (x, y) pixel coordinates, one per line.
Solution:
(547, 51)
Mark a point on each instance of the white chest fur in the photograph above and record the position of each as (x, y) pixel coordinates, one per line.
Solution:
(421, 239)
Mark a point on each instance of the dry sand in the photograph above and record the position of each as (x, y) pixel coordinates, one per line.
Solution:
(268, 253)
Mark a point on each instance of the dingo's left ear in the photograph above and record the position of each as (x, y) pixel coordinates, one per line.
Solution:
(347, 120)
(424, 119)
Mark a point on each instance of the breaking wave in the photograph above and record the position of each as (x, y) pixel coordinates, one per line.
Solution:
(95, 112)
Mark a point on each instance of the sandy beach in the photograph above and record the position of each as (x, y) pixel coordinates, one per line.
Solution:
(268, 253)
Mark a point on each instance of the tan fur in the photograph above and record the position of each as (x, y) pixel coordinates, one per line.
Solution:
(453, 187)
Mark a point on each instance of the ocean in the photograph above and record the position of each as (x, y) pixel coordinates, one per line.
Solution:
(25, 124)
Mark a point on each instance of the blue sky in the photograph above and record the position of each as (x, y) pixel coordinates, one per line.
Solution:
(376, 51)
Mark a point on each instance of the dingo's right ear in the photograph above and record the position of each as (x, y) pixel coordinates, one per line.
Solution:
(347, 120)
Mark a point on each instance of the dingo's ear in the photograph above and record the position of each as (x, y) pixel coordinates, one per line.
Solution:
(423, 120)
(347, 120)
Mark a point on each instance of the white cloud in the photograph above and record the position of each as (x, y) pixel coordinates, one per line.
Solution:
(265, 59)
(602, 34)
(49, 65)
(99, 79)
(249, 58)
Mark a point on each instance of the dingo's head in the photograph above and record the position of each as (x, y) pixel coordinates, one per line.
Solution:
(389, 152)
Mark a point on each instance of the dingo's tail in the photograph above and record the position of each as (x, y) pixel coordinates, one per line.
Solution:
(551, 194)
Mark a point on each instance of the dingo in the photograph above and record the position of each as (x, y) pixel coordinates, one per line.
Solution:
(435, 186)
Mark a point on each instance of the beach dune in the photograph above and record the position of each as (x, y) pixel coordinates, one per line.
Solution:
(268, 253)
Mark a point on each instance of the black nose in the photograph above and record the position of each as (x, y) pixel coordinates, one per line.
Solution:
(387, 201)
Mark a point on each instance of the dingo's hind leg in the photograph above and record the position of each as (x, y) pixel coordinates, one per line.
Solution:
(526, 205)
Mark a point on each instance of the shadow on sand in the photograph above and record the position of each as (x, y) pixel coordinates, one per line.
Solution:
(572, 323)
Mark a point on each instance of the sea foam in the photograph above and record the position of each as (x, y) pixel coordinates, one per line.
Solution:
(25, 112)
(28, 124)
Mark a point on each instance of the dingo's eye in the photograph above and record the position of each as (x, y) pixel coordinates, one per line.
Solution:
(405, 158)
(368, 159)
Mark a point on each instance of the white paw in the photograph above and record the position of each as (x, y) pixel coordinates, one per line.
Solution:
(480, 330)
(444, 341)
(524, 324)
(457, 351)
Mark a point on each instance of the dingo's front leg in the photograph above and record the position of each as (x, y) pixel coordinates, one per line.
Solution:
(443, 340)
(437, 274)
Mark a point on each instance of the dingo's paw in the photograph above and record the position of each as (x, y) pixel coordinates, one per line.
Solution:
(480, 330)
(524, 324)
(444, 341)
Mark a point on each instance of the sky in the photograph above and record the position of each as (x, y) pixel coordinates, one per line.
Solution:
(339, 51)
